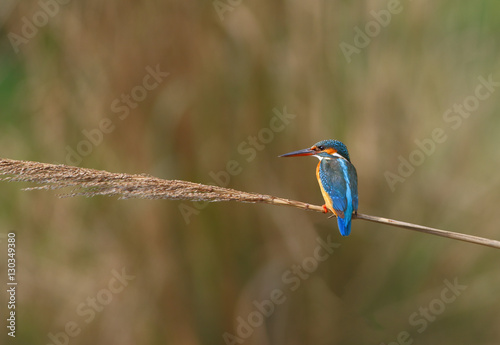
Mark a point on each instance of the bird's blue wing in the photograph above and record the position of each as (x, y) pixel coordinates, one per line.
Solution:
(333, 181)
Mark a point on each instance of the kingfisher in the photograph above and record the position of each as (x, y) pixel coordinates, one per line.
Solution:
(337, 179)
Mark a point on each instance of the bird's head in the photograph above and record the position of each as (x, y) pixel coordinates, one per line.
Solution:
(323, 149)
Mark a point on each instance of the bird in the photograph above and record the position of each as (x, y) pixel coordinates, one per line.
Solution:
(337, 179)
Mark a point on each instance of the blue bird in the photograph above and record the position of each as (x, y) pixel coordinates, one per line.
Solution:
(337, 179)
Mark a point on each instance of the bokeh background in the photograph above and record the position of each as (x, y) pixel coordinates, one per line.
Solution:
(198, 269)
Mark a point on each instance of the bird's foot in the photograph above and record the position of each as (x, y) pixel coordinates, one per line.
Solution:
(325, 209)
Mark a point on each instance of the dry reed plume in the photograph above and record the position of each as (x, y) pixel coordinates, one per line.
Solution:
(91, 182)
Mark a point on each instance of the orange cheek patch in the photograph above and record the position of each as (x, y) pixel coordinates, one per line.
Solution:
(331, 151)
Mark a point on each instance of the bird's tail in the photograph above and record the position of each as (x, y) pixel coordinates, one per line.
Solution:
(344, 225)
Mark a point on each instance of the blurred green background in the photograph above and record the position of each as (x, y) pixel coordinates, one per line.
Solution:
(202, 272)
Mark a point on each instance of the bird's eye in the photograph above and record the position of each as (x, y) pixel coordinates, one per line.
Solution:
(320, 148)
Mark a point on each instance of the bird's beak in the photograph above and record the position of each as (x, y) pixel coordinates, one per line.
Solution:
(304, 152)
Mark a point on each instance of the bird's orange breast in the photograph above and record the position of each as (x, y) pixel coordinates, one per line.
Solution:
(328, 200)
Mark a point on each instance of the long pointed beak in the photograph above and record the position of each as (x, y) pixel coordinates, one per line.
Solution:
(304, 152)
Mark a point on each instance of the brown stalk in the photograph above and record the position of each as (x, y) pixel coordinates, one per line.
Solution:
(90, 182)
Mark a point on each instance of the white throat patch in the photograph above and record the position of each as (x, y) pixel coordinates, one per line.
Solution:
(335, 155)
